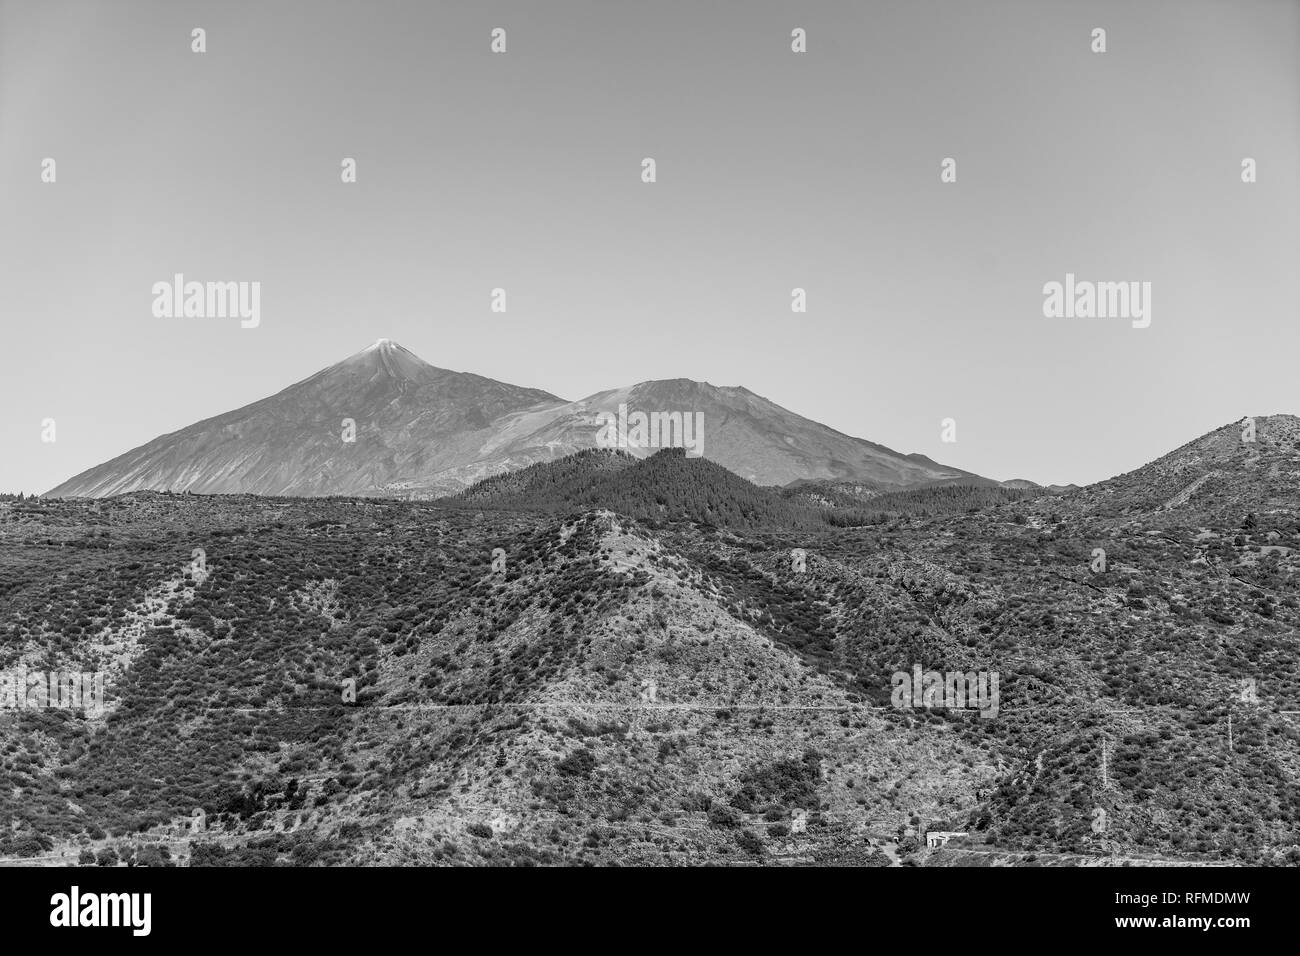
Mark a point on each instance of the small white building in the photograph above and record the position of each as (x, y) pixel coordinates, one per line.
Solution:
(937, 838)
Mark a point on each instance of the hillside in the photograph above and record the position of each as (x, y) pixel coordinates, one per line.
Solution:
(754, 437)
(847, 505)
(588, 687)
(546, 485)
(668, 486)
(1220, 476)
(407, 418)
(594, 701)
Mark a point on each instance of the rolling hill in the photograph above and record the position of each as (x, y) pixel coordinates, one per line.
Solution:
(667, 486)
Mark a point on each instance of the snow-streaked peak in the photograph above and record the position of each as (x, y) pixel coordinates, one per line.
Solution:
(391, 358)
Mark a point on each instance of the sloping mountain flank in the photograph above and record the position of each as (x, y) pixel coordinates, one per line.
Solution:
(385, 423)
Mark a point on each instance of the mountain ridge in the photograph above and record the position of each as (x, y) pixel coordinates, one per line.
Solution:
(384, 423)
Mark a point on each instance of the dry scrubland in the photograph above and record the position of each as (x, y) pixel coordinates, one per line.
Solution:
(507, 717)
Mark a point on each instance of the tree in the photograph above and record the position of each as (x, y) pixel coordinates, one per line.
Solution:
(750, 842)
(152, 856)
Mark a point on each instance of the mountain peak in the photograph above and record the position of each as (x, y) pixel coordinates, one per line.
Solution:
(388, 356)
(425, 431)
(385, 346)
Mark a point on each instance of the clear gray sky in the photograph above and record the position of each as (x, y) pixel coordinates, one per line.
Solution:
(775, 171)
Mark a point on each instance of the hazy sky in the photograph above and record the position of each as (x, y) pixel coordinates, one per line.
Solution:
(775, 170)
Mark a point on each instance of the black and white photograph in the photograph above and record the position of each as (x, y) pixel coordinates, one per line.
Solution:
(662, 435)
